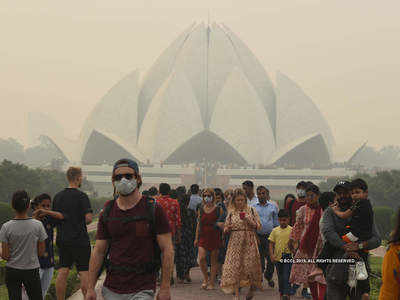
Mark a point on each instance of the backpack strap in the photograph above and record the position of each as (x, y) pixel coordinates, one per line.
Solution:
(151, 214)
(106, 214)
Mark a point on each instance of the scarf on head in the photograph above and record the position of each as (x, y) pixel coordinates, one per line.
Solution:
(310, 237)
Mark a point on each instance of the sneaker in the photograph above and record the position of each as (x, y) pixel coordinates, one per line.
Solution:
(305, 294)
(293, 289)
(285, 297)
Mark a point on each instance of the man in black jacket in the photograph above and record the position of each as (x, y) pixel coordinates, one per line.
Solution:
(331, 228)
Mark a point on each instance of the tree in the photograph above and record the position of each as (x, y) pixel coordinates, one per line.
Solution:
(15, 177)
(383, 188)
(12, 150)
(6, 213)
(383, 216)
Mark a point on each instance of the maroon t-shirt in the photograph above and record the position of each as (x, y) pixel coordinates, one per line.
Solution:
(132, 244)
(295, 206)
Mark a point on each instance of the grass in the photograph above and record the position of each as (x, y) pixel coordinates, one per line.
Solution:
(376, 265)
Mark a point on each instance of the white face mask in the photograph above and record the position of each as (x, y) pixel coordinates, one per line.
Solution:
(208, 199)
(125, 187)
(301, 193)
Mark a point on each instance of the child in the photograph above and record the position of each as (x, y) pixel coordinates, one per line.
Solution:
(42, 212)
(279, 249)
(22, 241)
(361, 213)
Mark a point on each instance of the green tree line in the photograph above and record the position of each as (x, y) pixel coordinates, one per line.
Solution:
(16, 176)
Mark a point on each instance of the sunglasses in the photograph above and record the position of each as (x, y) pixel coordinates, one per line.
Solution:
(127, 176)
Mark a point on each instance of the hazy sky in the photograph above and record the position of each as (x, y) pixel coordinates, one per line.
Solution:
(61, 57)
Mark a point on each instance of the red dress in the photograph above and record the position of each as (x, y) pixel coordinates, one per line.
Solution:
(209, 236)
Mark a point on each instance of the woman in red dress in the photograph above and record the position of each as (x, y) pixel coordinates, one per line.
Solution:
(208, 236)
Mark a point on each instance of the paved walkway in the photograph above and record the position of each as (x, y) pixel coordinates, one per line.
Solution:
(193, 291)
(380, 251)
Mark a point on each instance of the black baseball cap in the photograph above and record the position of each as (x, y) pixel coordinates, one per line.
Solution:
(342, 185)
(126, 162)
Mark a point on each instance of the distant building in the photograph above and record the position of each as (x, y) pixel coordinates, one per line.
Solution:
(206, 98)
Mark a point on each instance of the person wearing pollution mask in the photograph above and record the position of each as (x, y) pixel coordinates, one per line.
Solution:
(72, 237)
(125, 227)
(332, 229)
(295, 204)
(208, 236)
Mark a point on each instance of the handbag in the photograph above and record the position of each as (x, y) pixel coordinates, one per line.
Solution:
(352, 277)
(361, 271)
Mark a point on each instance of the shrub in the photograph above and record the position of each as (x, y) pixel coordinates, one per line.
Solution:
(72, 285)
(6, 213)
(98, 204)
(383, 220)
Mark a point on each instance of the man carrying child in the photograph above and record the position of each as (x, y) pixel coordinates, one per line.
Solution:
(335, 229)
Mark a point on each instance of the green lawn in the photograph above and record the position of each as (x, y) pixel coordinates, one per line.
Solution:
(376, 263)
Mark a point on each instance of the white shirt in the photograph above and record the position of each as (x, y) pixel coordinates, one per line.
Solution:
(253, 201)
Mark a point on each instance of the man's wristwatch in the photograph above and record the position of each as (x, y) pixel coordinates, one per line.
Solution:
(361, 246)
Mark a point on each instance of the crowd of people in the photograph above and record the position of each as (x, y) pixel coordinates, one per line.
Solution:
(316, 243)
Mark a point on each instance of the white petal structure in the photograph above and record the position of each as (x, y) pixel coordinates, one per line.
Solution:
(207, 97)
(298, 116)
(159, 72)
(172, 119)
(256, 75)
(247, 130)
(116, 113)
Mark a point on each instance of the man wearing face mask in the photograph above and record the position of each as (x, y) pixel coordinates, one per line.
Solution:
(72, 237)
(132, 226)
(332, 228)
(248, 187)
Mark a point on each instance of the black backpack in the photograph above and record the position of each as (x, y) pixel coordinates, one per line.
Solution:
(151, 267)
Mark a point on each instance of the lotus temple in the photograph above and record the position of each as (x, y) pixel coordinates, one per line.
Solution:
(206, 98)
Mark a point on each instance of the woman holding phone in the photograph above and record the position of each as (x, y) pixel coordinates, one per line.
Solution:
(242, 266)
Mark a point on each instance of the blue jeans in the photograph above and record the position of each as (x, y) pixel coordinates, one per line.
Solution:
(283, 269)
(45, 279)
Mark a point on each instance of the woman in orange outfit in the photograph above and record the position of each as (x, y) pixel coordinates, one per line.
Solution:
(390, 289)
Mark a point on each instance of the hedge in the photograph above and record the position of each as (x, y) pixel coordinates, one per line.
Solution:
(384, 220)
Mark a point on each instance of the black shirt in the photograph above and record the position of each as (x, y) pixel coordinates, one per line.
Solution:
(362, 219)
(47, 260)
(74, 205)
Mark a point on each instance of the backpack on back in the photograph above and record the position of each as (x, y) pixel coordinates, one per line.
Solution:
(147, 267)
